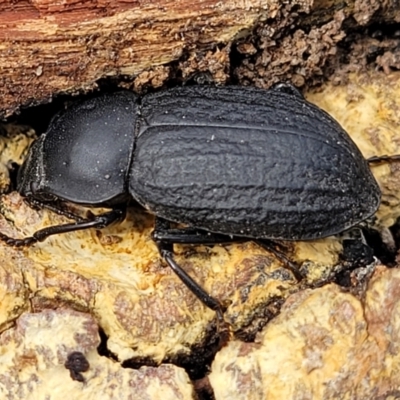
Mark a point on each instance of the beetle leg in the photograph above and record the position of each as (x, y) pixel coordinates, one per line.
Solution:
(168, 255)
(291, 266)
(165, 248)
(99, 221)
(162, 233)
(166, 251)
(192, 236)
(383, 159)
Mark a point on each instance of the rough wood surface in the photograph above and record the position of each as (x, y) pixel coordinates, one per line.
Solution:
(49, 47)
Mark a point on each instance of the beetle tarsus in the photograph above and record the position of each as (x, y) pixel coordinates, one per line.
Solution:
(25, 242)
(383, 159)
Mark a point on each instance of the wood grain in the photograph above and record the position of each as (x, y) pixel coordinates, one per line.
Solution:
(48, 47)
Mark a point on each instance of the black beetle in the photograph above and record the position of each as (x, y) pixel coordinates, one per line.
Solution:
(231, 163)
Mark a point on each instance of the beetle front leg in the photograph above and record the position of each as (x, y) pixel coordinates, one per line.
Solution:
(99, 221)
(166, 251)
(168, 255)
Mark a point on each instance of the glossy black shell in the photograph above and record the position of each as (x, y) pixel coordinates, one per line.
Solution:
(231, 160)
(249, 162)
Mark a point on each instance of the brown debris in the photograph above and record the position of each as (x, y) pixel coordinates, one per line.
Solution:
(361, 52)
(296, 57)
(389, 60)
(364, 10)
(154, 77)
(216, 63)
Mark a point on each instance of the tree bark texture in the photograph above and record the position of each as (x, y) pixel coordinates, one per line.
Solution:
(49, 47)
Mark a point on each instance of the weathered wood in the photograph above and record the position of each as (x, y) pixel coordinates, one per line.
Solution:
(49, 47)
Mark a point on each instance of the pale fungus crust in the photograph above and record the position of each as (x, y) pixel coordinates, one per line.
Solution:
(325, 344)
(139, 303)
(35, 350)
(14, 293)
(14, 143)
(368, 108)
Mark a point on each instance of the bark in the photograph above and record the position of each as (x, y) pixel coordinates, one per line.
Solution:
(49, 47)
